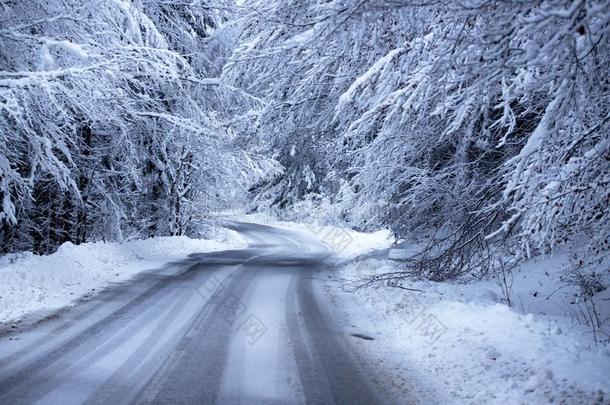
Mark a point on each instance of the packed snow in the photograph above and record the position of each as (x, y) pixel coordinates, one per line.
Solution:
(345, 243)
(34, 286)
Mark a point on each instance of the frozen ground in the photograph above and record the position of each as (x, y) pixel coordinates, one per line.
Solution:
(460, 344)
(231, 327)
(346, 244)
(33, 286)
(439, 342)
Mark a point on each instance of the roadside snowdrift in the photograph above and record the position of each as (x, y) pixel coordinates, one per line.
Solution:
(460, 344)
(345, 243)
(40, 284)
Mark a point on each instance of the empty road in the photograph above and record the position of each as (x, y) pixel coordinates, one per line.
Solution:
(232, 327)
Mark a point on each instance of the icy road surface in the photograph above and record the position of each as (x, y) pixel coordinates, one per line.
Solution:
(243, 326)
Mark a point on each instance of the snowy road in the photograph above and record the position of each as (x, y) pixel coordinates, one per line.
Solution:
(244, 326)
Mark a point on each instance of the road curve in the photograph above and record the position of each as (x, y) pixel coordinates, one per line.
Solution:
(231, 327)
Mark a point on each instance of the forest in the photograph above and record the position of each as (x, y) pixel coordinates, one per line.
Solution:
(305, 202)
(481, 126)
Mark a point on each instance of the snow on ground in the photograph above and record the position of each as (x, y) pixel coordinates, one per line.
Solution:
(461, 344)
(32, 286)
(345, 243)
(453, 343)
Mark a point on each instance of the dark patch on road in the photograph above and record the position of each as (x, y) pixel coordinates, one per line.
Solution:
(362, 336)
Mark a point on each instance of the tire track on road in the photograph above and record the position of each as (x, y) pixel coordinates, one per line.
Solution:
(328, 372)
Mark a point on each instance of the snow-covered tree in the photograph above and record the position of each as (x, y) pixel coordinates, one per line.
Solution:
(485, 122)
(112, 123)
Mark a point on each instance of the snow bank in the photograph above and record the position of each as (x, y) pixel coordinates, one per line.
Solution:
(459, 344)
(346, 243)
(39, 284)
